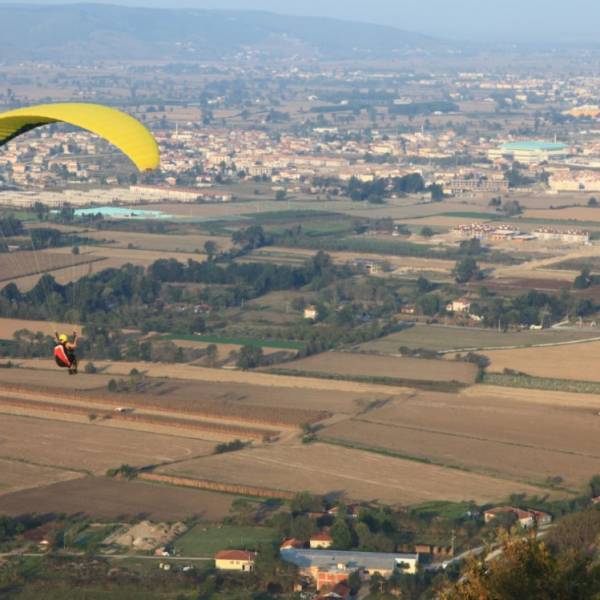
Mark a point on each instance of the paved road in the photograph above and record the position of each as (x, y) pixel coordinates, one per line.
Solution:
(477, 551)
(107, 555)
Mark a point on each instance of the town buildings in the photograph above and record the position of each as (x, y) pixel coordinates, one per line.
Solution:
(328, 568)
(235, 560)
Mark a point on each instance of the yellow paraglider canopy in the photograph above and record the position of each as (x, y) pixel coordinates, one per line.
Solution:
(120, 129)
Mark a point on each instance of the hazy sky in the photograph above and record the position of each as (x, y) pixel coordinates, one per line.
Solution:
(495, 20)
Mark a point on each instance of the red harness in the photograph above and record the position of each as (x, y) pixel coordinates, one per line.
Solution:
(61, 355)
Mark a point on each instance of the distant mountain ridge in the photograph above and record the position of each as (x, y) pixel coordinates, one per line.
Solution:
(97, 31)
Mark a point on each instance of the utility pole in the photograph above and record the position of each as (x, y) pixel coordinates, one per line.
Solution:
(452, 542)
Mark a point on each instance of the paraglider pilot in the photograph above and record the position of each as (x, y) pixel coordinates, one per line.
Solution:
(64, 352)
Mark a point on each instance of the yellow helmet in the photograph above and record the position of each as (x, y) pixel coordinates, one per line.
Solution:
(63, 339)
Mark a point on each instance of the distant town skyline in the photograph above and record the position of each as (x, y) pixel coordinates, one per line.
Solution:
(548, 21)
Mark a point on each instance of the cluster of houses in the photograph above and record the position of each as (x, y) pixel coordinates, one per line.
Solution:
(500, 233)
(329, 570)
(526, 518)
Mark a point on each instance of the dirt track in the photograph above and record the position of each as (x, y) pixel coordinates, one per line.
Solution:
(538, 268)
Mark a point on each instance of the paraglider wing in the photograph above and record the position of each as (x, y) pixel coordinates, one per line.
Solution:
(118, 128)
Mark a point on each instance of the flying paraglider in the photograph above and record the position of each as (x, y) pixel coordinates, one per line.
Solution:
(64, 352)
(118, 128)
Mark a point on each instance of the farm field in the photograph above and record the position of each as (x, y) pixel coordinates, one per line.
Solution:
(15, 265)
(222, 376)
(88, 447)
(323, 469)
(102, 497)
(280, 254)
(234, 398)
(575, 361)
(444, 339)
(193, 243)
(575, 213)
(370, 365)
(19, 475)
(53, 378)
(474, 428)
(9, 326)
(395, 208)
(91, 260)
(148, 421)
(206, 541)
(236, 342)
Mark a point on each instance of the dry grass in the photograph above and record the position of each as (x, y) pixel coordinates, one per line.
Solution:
(574, 361)
(512, 435)
(440, 338)
(160, 243)
(89, 447)
(223, 376)
(398, 262)
(369, 365)
(347, 473)
(9, 326)
(239, 396)
(15, 265)
(579, 213)
(17, 475)
(114, 499)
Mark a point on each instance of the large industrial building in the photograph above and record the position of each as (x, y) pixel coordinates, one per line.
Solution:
(530, 152)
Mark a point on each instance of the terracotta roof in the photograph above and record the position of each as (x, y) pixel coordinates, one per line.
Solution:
(520, 513)
(235, 555)
(321, 537)
(292, 543)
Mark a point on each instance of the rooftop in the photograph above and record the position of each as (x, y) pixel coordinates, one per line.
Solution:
(534, 145)
(235, 555)
(330, 559)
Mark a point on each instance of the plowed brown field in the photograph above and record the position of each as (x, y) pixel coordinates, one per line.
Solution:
(350, 474)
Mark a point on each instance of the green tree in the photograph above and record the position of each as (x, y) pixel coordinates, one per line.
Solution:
(583, 280)
(306, 502)
(512, 208)
(302, 527)
(212, 352)
(466, 269)
(280, 195)
(427, 232)
(210, 248)
(594, 486)
(437, 192)
(341, 534)
(249, 357)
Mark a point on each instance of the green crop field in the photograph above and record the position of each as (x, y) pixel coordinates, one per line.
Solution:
(443, 339)
(204, 540)
(215, 339)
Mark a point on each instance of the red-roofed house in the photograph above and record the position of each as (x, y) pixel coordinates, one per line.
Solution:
(541, 518)
(235, 560)
(525, 518)
(321, 540)
(292, 543)
(340, 592)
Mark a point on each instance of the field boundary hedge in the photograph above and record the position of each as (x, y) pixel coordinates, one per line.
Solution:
(423, 384)
(522, 380)
(215, 486)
